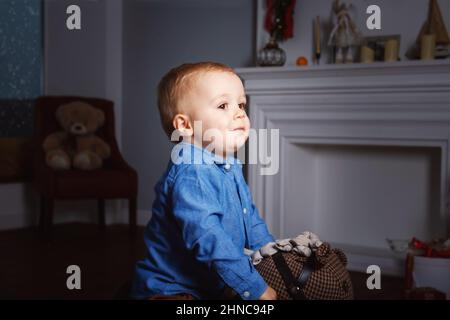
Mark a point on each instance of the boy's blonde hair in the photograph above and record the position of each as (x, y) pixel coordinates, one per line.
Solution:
(175, 83)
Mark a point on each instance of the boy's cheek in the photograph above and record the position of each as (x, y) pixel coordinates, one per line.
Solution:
(247, 127)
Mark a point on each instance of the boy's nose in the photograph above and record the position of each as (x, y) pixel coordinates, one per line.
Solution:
(240, 113)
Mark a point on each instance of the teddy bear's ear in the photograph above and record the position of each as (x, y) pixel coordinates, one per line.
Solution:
(100, 117)
(61, 112)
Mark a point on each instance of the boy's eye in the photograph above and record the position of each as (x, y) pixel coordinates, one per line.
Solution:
(222, 106)
(242, 106)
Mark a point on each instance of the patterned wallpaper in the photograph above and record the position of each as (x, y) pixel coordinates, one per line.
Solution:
(16, 118)
(21, 64)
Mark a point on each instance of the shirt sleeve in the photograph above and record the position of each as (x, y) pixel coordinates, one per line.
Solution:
(197, 210)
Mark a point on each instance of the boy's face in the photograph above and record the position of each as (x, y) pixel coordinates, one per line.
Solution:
(217, 99)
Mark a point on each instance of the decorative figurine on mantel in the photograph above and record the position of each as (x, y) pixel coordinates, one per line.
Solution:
(279, 23)
(344, 34)
(433, 40)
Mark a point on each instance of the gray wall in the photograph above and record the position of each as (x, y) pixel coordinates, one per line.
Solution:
(158, 35)
(75, 60)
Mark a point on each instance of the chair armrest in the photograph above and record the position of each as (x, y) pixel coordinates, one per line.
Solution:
(117, 159)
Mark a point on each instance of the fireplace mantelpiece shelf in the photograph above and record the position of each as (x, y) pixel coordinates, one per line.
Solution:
(403, 104)
(261, 80)
(424, 64)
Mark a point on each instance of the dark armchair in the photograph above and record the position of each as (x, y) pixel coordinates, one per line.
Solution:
(116, 179)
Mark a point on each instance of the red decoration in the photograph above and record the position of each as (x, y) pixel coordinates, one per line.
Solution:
(288, 31)
(279, 20)
(268, 23)
(429, 250)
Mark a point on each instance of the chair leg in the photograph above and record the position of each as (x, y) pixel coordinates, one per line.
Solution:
(132, 212)
(409, 268)
(42, 214)
(101, 214)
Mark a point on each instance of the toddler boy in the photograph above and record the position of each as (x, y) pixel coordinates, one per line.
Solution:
(203, 215)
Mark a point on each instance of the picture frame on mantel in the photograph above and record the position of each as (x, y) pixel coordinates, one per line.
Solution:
(384, 47)
(23, 36)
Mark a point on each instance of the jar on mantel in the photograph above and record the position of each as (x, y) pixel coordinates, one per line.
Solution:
(271, 55)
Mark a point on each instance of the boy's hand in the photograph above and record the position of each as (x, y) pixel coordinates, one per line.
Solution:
(269, 294)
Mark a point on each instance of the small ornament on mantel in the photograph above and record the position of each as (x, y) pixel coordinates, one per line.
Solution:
(301, 61)
(271, 55)
(279, 23)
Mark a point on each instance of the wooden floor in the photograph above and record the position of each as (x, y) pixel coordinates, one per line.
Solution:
(34, 268)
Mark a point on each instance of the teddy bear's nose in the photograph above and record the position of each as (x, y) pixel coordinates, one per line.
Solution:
(77, 128)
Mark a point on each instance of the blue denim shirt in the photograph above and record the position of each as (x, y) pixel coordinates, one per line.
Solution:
(202, 219)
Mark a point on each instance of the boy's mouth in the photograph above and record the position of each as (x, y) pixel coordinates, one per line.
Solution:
(239, 129)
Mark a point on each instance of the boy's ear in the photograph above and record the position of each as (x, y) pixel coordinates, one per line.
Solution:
(182, 123)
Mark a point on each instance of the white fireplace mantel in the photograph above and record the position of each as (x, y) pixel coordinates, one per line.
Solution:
(404, 104)
(358, 77)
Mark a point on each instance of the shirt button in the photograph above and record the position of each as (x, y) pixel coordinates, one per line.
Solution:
(246, 294)
(244, 210)
(227, 167)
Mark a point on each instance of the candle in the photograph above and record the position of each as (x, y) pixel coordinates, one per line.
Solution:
(391, 50)
(317, 34)
(367, 54)
(428, 47)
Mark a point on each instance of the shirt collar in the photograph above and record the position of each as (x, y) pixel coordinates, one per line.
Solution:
(188, 153)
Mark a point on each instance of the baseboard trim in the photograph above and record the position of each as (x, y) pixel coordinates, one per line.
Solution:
(122, 216)
(15, 221)
(389, 266)
(116, 213)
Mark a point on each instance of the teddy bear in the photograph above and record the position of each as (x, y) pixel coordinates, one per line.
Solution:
(77, 145)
